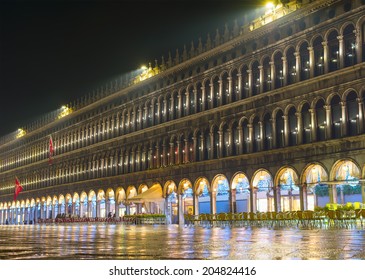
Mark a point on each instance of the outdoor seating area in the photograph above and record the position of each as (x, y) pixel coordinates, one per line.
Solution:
(301, 219)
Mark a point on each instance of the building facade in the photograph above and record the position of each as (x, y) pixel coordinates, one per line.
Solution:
(268, 116)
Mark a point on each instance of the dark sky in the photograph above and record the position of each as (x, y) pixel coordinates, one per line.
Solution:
(52, 52)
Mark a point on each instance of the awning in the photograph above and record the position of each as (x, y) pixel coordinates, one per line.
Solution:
(153, 194)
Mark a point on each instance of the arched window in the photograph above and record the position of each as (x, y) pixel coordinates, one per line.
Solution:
(352, 110)
(226, 141)
(304, 62)
(279, 120)
(235, 86)
(199, 98)
(321, 120)
(208, 96)
(255, 82)
(279, 75)
(215, 144)
(267, 74)
(306, 120)
(256, 134)
(318, 56)
(184, 109)
(292, 72)
(191, 101)
(293, 128)
(245, 86)
(246, 137)
(216, 95)
(333, 51)
(350, 45)
(225, 89)
(336, 117)
(267, 137)
(208, 145)
(235, 139)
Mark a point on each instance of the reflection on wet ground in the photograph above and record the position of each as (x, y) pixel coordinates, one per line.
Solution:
(146, 242)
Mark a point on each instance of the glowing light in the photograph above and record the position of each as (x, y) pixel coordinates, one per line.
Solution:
(64, 112)
(270, 5)
(20, 133)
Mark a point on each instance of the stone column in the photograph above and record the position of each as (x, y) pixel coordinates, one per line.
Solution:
(297, 66)
(332, 193)
(53, 211)
(220, 92)
(203, 98)
(311, 62)
(172, 154)
(186, 106)
(250, 138)
(343, 124)
(285, 71)
(328, 122)
(253, 199)
(241, 141)
(326, 56)
(273, 75)
(164, 111)
(239, 88)
(220, 144)
(286, 131)
(232, 201)
(211, 95)
(249, 73)
(341, 51)
(262, 78)
(230, 92)
(98, 209)
(274, 132)
(180, 209)
(313, 125)
(42, 210)
(179, 105)
(360, 119)
(261, 140)
(299, 128)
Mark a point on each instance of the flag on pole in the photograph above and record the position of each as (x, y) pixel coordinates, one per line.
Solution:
(18, 188)
(51, 149)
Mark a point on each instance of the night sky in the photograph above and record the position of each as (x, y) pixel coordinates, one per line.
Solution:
(52, 52)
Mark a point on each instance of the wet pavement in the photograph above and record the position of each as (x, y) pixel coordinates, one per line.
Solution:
(147, 242)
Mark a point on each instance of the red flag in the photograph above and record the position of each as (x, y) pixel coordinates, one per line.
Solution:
(51, 150)
(18, 188)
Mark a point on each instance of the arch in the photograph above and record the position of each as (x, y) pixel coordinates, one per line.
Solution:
(202, 192)
(347, 188)
(185, 189)
(220, 194)
(170, 193)
(262, 182)
(314, 177)
(287, 180)
(240, 191)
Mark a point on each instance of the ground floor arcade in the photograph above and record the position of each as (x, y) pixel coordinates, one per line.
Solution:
(288, 189)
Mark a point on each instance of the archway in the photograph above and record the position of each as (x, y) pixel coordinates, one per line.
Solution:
(262, 184)
(187, 201)
(346, 174)
(288, 192)
(170, 192)
(317, 191)
(202, 193)
(131, 207)
(240, 193)
(110, 203)
(119, 206)
(220, 194)
(100, 204)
